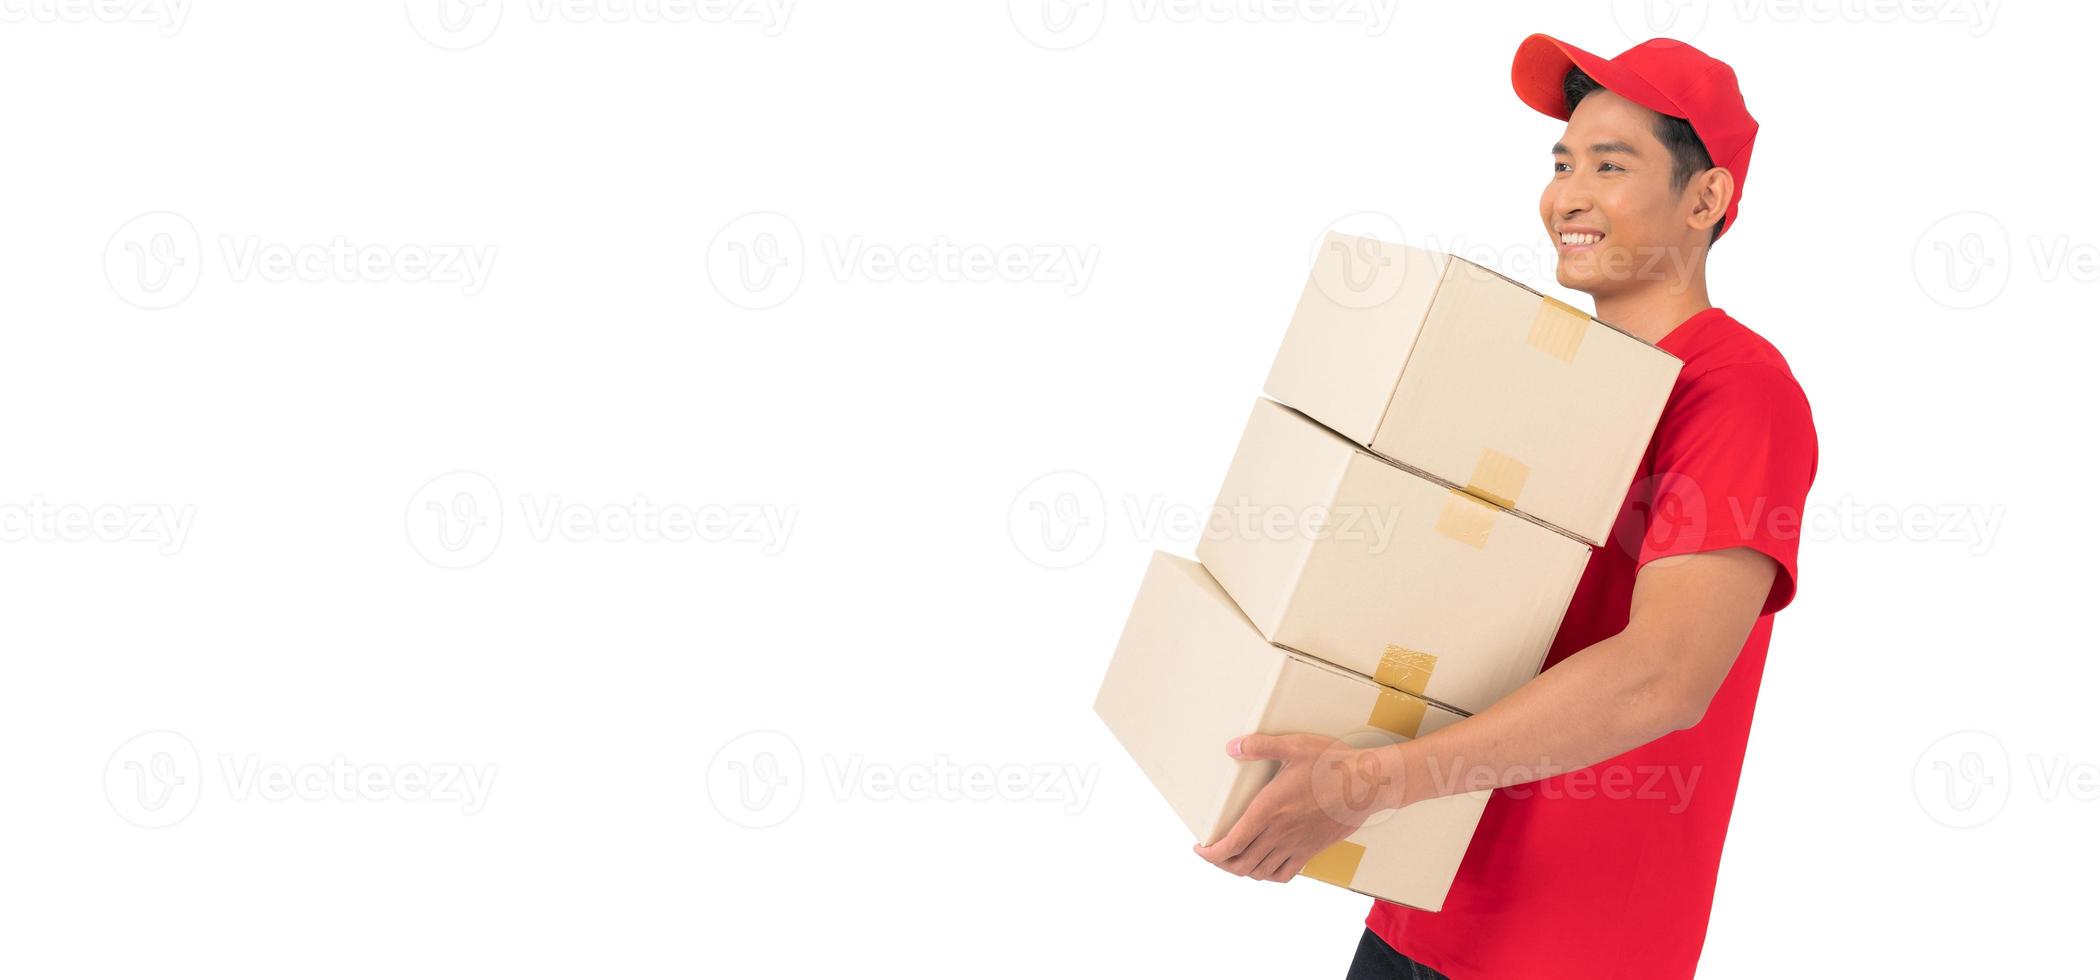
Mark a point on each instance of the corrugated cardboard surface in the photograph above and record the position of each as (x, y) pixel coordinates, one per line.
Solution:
(1475, 379)
(1279, 469)
(1427, 589)
(1488, 385)
(1353, 330)
(1191, 672)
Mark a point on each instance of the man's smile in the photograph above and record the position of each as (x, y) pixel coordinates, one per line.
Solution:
(1575, 238)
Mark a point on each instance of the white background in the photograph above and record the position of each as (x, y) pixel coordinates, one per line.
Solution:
(907, 613)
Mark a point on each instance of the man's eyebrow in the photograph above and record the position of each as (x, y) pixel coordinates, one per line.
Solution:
(1611, 146)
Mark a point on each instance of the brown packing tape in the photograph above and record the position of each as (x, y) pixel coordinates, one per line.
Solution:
(1407, 670)
(1466, 520)
(1498, 479)
(1558, 329)
(1337, 864)
(1398, 713)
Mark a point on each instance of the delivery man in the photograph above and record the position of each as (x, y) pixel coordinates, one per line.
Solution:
(1615, 768)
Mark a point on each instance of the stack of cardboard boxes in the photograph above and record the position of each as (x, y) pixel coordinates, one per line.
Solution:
(1394, 545)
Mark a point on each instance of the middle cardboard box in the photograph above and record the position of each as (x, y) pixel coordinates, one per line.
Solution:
(1342, 555)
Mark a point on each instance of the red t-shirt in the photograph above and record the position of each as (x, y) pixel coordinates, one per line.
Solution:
(1607, 873)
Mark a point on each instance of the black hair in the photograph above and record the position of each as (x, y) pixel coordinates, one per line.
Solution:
(1688, 156)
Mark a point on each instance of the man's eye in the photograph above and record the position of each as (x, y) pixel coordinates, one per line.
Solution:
(1608, 165)
(1559, 167)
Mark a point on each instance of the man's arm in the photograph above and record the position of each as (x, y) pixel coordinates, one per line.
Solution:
(1690, 617)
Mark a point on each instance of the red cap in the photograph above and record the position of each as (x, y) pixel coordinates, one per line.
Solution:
(1668, 76)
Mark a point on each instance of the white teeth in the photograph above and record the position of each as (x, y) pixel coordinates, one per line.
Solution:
(1574, 238)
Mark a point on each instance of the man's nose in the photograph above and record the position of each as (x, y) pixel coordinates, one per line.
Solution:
(1571, 197)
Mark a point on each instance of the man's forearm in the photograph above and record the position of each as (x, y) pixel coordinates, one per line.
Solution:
(1597, 703)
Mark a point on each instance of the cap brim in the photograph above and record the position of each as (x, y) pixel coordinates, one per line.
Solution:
(1540, 71)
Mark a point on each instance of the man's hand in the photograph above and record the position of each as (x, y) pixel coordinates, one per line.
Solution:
(1323, 792)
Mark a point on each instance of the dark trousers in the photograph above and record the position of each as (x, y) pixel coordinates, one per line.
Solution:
(1377, 961)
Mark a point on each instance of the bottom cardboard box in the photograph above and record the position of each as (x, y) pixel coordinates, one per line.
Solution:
(1191, 672)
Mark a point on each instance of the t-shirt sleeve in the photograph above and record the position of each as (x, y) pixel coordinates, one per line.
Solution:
(1733, 462)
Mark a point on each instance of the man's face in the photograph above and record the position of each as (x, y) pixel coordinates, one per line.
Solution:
(1614, 217)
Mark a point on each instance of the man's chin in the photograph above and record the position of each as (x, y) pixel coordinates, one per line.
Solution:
(1580, 283)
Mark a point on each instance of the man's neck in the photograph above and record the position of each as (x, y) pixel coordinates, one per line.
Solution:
(1652, 314)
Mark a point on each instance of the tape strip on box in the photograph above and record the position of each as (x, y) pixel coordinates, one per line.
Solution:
(1405, 669)
(1398, 713)
(1466, 520)
(1498, 479)
(1337, 864)
(1558, 329)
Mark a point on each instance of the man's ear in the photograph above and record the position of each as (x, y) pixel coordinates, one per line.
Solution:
(1711, 190)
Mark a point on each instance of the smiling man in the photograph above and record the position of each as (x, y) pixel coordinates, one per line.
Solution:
(1616, 768)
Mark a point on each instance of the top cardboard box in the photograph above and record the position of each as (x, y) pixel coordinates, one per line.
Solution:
(1450, 368)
